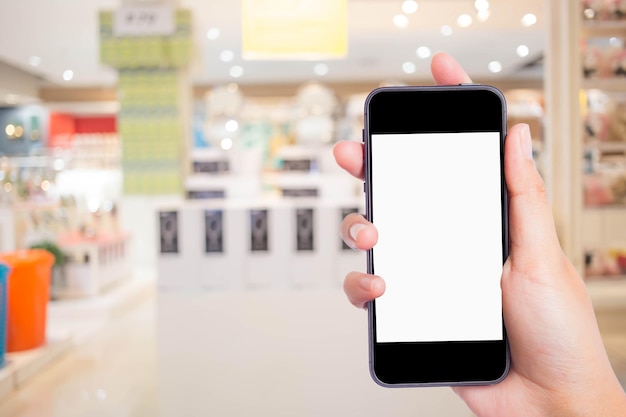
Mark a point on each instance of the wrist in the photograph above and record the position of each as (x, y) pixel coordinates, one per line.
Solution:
(606, 400)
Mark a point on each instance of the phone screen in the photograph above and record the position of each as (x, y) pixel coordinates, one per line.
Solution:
(436, 193)
(437, 205)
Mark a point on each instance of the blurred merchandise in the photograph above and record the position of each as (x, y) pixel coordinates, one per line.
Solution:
(604, 57)
(603, 10)
(605, 263)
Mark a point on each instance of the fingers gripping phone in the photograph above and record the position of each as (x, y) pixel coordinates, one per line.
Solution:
(435, 190)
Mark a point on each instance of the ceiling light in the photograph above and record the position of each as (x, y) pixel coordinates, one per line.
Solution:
(464, 20)
(423, 52)
(482, 15)
(400, 20)
(529, 20)
(9, 130)
(68, 75)
(446, 30)
(495, 66)
(236, 71)
(320, 69)
(213, 34)
(408, 67)
(19, 131)
(481, 5)
(58, 164)
(227, 55)
(34, 61)
(522, 51)
(231, 126)
(93, 204)
(45, 185)
(616, 42)
(409, 6)
(226, 143)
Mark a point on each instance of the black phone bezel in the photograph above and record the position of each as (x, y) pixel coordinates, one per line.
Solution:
(433, 109)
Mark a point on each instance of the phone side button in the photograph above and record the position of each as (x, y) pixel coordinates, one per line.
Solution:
(363, 135)
(364, 188)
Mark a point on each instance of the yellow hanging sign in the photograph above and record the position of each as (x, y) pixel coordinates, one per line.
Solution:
(294, 29)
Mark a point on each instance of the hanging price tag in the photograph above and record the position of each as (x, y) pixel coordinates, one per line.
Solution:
(144, 21)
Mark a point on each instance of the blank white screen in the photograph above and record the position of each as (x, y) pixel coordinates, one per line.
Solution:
(437, 206)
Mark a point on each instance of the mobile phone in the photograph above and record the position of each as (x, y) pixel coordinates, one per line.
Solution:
(435, 189)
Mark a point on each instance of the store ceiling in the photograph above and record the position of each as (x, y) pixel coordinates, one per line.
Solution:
(64, 35)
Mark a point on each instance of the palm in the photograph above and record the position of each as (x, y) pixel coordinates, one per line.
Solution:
(535, 308)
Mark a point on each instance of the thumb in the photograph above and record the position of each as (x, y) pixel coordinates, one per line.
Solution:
(532, 231)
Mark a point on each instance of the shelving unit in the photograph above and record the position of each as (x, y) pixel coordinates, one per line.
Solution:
(584, 230)
(603, 103)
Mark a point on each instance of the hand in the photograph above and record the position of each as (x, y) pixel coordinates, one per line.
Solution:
(559, 366)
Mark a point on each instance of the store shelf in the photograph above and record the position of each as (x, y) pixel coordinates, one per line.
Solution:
(606, 146)
(603, 27)
(606, 207)
(616, 85)
(600, 226)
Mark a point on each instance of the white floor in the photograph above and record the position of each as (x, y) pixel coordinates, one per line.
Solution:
(292, 353)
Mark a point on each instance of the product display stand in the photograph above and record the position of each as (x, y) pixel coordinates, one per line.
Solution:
(267, 243)
(96, 264)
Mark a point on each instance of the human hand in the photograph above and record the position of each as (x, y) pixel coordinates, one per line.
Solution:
(558, 362)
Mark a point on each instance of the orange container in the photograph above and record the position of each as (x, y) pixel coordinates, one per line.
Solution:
(28, 295)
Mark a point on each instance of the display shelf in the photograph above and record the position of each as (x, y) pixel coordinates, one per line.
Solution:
(602, 27)
(95, 264)
(606, 207)
(613, 84)
(602, 56)
(607, 146)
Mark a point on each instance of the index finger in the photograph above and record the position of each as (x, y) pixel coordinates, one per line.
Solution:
(349, 156)
(446, 71)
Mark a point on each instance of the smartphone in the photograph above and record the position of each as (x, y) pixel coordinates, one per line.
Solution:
(435, 189)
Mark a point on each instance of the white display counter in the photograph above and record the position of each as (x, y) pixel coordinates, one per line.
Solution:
(266, 243)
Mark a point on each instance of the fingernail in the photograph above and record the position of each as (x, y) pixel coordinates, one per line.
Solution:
(366, 283)
(355, 229)
(527, 142)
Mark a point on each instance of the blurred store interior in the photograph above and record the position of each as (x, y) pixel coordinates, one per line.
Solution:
(171, 206)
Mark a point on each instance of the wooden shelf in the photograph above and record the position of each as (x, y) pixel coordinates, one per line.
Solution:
(609, 85)
(606, 146)
(603, 28)
(607, 207)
